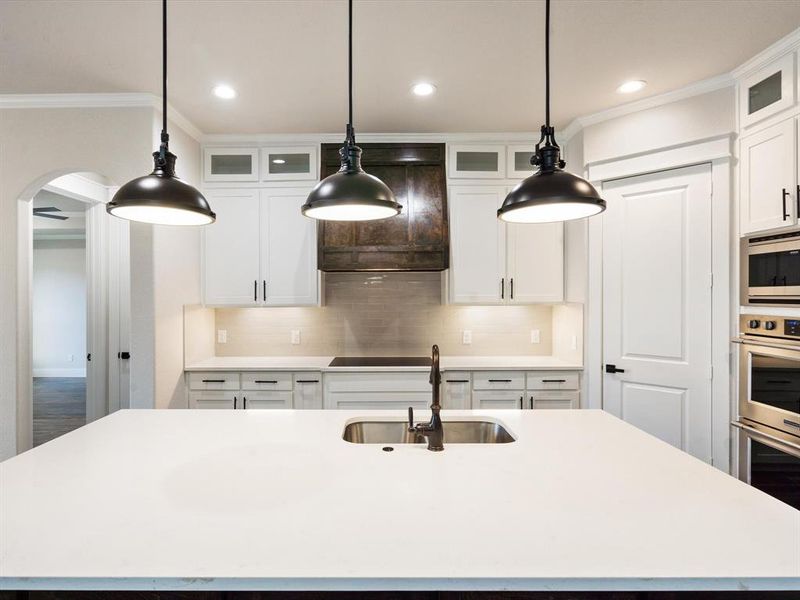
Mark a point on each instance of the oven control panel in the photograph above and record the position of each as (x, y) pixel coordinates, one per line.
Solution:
(770, 326)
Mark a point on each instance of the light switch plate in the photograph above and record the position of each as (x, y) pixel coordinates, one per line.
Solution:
(295, 336)
(536, 336)
(222, 336)
(466, 336)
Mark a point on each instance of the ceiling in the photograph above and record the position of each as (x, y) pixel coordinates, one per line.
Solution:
(287, 58)
(73, 228)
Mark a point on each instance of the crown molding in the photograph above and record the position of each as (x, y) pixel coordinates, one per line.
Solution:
(786, 44)
(122, 100)
(230, 139)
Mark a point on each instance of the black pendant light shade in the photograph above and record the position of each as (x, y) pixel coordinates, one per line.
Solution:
(351, 194)
(161, 198)
(550, 194)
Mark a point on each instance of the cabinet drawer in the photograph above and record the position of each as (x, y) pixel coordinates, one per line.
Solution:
(220, 400)
(498, 380)
(499, 399)
(556, 380)
(387, 401)
(265, 380)
(549, 400)
(214, 381)
(457, 390)
(389, 381)
(256, 399)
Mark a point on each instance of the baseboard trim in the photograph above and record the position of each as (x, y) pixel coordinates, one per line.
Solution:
(59, 372)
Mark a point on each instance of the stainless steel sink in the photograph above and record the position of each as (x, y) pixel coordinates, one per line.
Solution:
(455, 432)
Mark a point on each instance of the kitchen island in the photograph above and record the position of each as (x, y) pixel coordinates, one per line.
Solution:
(277, 501)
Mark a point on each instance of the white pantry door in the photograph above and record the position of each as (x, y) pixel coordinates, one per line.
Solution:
(657, 305)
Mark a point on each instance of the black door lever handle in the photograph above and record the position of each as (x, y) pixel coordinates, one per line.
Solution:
(613, 369)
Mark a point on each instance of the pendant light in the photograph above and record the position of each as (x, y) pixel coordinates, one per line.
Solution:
(551, 194)
(351, 194)
(161, 197)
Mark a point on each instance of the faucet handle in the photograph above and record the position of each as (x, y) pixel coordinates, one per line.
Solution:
(411, 418)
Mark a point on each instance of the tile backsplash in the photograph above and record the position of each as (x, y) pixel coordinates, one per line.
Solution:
(384, 314)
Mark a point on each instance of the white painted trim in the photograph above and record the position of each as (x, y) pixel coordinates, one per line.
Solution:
(682, 155)
(59, 372)
(80, 188)
(258, 139)
(784, 45)
(694, 89)
(100, 100)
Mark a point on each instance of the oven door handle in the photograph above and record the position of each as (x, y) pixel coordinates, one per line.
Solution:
(788, 447)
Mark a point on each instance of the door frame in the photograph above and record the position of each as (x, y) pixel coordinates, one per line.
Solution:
(716, 151)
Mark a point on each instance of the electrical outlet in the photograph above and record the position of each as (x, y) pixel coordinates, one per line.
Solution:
(222, 336)
(295, 336)
(536, 336)
(466, 336)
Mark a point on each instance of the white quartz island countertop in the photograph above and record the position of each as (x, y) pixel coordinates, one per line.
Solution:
(322, 363)
(277, 500)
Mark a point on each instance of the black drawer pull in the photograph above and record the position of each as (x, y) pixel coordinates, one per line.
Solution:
(520, 403)
(499, 381)
(457, 380)
(531, 402)
(264, 381)
(234, 403)
(784, 381)
(554, 381)
(244, 401)
(213, 381)
(308, 381)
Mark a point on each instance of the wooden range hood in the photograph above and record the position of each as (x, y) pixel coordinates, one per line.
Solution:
(415, 240)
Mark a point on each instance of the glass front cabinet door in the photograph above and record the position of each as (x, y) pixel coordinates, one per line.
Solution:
(477, 162)
(230, 164)
(289, 163)
(767, 91)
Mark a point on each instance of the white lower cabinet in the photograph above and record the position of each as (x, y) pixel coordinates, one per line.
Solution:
(526, 391)
(542, 399)
(456, 390)
(308, 390)
(223, 400)
(498, 399)
(266, 399)
(377, 390)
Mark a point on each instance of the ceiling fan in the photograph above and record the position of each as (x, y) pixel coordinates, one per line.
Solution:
(42, 212)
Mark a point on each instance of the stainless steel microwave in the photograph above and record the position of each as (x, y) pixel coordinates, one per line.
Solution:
(771, 269)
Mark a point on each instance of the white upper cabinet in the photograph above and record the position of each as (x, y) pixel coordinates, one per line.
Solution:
(768, 91)
(261, 250)
(230, 164)
(288, 249)
(497, 263)
(231, 248)
(768, 167)
(535, 262)
(518, 161)
(477, 245)
(289, 163)
(476, 161)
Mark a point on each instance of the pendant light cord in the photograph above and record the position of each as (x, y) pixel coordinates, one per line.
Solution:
(351, 137)
(546, 63)
(164, 148)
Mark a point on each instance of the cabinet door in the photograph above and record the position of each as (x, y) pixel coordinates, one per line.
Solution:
(768, 178)
(552, 400)
(477, 162)
(498, 399)
(535, 262)
(230, 164)
(478, 246)
(289, 163)
(218, 400)
(308, 390)
(456, 390)
(288, 249)
(262, 400)
(231, 248)
(768, 91)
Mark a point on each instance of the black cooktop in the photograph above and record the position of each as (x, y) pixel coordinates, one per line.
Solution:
(381, 361)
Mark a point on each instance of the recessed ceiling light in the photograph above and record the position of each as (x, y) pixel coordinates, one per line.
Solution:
(629, 87)
(278, 161)
(423, 89)
(224, 91)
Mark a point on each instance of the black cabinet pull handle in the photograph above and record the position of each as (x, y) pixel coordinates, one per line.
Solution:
(124, 355)
(520, 402)
(244, 401)
(531, 402)
(213, 381)
(234, 403)
(512, 288)
(308, 381)
(554, 381)
(502, 288)
(255, 290)
(778, 381)
(89, 357)
(785, 213)
(457, 380)
(499, 381)
(613, 369)
(264, 381)
(798, 203)
(265, 290)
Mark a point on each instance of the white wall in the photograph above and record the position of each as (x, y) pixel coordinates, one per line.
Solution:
(59, 308)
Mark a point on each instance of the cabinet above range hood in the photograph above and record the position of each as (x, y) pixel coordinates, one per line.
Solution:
(415, 240)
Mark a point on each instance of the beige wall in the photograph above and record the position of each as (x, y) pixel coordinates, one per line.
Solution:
(37, 145)
(384, 314)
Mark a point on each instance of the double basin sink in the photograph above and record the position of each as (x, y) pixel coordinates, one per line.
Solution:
(455, 432)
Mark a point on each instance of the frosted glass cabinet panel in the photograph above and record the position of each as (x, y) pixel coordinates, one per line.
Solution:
(477, 162)
(293, 163)
(518, 162)
(768, 91)
(230, 164)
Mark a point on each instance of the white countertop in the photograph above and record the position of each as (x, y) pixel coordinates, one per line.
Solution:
(276, 500)
(321, 363)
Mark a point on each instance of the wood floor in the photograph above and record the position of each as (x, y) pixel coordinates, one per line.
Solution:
(59, 406)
